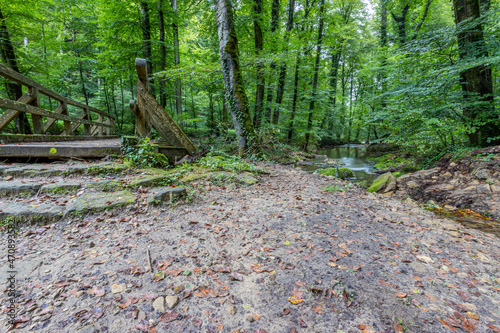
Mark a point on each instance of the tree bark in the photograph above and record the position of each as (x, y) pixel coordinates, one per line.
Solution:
(146, 42)
(163, 53)
(401, 22)
(282, 75)
(335, 56)
(476, 82)
(294, 99)
(14, 90)
(233, 80)
(316, 74)
(272, 68)
(177, 60)
(259, 91)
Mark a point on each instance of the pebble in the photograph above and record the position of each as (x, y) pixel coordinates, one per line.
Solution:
(171, 301)
(231, 309)
(159, 304)
(118, 288)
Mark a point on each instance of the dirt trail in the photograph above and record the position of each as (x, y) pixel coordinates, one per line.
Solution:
(283, 255)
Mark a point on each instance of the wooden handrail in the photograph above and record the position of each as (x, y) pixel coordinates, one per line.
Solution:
(11, 105)
(25, 81)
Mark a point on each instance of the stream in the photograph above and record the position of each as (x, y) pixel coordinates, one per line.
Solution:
(349, 156)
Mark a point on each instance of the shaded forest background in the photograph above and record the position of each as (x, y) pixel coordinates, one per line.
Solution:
(314, 71)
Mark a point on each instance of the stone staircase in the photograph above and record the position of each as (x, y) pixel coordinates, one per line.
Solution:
(49, 192)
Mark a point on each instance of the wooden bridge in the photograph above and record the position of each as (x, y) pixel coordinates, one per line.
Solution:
(91, 133)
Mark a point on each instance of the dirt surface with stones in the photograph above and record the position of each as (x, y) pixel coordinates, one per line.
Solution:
(282, 255)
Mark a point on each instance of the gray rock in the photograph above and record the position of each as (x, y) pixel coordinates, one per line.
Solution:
(231, 309)
(166, 194)
(159, 304)
(247, 179)
(88, 329)
(61, 187)
(482, 174)
(147, 181)
(118, 288)
(13, 188)
(100, 201)
(171, 301)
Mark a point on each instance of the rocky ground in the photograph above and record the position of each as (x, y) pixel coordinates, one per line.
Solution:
(293, 252)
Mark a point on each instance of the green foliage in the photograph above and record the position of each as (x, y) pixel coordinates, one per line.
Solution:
(226, 162)
(389, 161)
(144, 155)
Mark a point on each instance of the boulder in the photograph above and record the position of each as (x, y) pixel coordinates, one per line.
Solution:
(341, 173)
(166, 194)
(99, 201)
(383, 184)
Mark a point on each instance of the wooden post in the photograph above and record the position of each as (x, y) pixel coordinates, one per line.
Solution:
(87, 117)
(109, 122)
(143, 125)
(67, 124)
(100, 127)
(36, 119)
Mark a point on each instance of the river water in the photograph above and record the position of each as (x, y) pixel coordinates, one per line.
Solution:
(348, 156)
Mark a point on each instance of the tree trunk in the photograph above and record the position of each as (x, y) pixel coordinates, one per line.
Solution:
(333, 85)
(282, 75)
(294, 100)
(163, 53)
(233, 80)
(476, 82)
(14, 90)
(259, 92)
(272, 68)
(146, 42)
(177, 60)
(316, 73)
(401, 22)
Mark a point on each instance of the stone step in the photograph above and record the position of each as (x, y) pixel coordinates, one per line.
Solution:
(18, 188)
(92, 202)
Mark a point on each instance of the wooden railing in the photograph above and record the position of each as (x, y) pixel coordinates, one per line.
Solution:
(30, 103)
(150, 114)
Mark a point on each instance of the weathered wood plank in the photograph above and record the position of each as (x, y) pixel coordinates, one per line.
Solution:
(57, 151)
(10, 115)
(19, 138)
(8, 104)
(162, 122)
(21, 79)
(36, 119)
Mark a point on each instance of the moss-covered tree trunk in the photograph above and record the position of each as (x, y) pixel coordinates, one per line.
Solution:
(272, 68)
(316, 73)
(163, 53)
(233, 80)
(146, 41)
(476, 82)
(259, 43)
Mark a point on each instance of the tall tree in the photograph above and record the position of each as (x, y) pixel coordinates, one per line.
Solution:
(476, 81)
(316, 74)
(163, 53)
(259, 91)
(282, 75)
(272, 68)
(14, 89)
(233, 80)
(146, 40)
(177, 59)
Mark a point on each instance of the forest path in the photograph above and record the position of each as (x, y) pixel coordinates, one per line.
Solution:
(283, 255)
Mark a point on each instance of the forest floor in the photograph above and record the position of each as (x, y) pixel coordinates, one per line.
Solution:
(293, 252)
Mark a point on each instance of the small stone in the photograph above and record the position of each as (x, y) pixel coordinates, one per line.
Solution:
(88, 329)
(425, 259)
(79, 294)
(171, 301)
(118, 288)
(159, 304)
(231, 309)
(141, 316)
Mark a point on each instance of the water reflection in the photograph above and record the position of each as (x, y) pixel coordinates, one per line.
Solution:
(348, 156)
